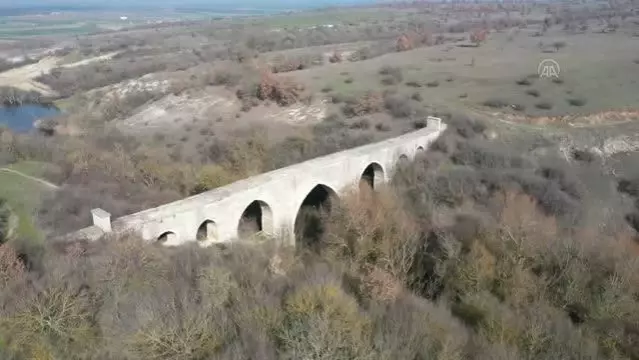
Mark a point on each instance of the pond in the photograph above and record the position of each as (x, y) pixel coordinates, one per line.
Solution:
(21, 118)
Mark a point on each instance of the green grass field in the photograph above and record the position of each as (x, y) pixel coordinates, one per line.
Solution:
(325, 18)
(24, 196)
(83, 23)
(494, 73)
(46, 30)
(33, 168)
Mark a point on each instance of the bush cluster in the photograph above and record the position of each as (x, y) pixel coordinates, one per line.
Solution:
(10, 96)
(368, 103)
(386, 279)
(476, 250)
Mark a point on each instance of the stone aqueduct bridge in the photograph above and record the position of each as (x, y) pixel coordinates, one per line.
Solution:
(273, 198)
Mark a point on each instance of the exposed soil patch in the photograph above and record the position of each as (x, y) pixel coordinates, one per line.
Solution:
(299, 114)
(621, 144)
(147, 83)
(175, 111)
(23, 77)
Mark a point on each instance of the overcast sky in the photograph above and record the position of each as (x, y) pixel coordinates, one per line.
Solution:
(165, 3)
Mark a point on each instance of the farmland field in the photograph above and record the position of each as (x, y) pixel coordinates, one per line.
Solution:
(70, 24)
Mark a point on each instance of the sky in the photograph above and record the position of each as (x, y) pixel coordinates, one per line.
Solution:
(280, 4)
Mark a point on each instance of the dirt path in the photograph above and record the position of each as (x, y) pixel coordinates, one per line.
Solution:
(90, 60)
(23, 77)
(41, 181)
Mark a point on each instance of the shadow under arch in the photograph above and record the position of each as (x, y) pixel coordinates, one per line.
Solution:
(372, 176)
(310, 221)
(256, 218)
(167, 238)
(207, 231)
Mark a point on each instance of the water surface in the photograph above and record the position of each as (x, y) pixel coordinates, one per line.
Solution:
(21, 118)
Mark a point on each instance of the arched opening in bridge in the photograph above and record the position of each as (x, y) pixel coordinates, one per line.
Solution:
(167, 237)
(372, 177)
(257, 218)
(402, 163)
(420, 149)
(207, 231)
(310, 222)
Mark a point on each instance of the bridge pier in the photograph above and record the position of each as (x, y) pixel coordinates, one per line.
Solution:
(101, 219)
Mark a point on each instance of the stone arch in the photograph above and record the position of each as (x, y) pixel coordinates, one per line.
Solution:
(309, 224)
(167, 237)
(207, 231)
(372, 176)
(257, 217)
(403, 161)
(420, 149)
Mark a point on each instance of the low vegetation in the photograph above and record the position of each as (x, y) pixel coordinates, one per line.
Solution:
(10, 96)
(524, 82)
(544, 105)
(495, 103)
(432, 84)
(506, 272)
(576, 101)
(533, 92)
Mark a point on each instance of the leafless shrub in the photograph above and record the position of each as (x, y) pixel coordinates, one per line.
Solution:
(283, 91)
(399, 106)
(226, 77)
(392, 72)
(10, 96)
(524, 82)
(368, 103)
(336, 57)
(577, 101)
(361, 124)
(533, 92)
(11, 267)
(544, 105)
(382, 127)
(495, 103)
